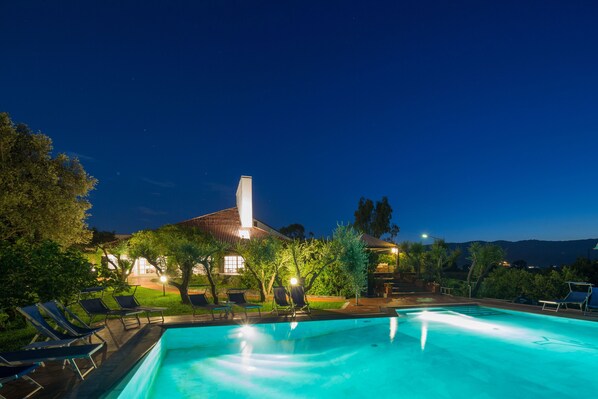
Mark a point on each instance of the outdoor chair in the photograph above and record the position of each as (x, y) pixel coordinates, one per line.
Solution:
(200, 301)
(578, 298)
(97, 307)
(237, 296)
(299, 300)
(59, 312)
(281, 301)
(65, 353)
(129, 302)
(35, 318)
(13, 373)
(592, 303)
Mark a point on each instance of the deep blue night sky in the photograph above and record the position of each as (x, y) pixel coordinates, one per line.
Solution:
(478, 119)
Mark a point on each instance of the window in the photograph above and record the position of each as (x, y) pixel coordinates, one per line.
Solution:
(233, 264)
(145, 267)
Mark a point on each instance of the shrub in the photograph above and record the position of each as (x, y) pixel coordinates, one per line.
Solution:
(509, 283)
(333, 281)
(40, 272)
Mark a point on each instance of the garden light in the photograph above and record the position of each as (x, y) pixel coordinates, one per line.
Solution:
(163, 279)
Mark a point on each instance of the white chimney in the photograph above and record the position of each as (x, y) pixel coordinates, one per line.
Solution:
(244, 203)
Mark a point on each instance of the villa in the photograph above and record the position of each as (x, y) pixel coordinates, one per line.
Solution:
(235, 224)
(230, 226)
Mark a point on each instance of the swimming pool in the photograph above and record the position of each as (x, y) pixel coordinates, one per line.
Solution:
(451, 352)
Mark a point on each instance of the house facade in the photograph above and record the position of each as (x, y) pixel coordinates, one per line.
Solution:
(231, 226)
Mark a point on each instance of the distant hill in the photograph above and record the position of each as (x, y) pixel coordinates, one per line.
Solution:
(539, 253)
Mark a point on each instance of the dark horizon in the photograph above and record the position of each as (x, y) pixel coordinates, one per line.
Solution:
(477, 120)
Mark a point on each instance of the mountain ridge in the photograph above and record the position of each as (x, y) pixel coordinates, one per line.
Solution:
(541, 253)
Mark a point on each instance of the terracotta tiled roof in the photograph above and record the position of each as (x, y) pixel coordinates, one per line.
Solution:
(225, 225)
(376, 243)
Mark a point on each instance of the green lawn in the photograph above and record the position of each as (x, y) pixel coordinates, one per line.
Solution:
(14, 339)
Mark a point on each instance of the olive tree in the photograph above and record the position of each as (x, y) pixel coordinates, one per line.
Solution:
(263, 262)
(308, 259)
(178, 250)
(353, 257)
(117, 262)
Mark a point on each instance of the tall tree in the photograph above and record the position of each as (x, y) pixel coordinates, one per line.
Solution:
(294, 231)
(41, 197)
(262, 261)
(375, 220)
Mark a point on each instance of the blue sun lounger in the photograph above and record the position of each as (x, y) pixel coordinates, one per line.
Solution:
(35, 318)
(281, 302)
(237, 296)
(12, 373)
(592, 303)
(58, 313)
(574, 297)
(299, 299)
(129, 302)
(65, 353)
(200, 301)
(97, 307)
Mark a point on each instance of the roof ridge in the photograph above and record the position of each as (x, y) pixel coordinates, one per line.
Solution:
(208, 214)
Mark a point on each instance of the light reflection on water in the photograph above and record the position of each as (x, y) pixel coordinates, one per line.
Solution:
(427, 354)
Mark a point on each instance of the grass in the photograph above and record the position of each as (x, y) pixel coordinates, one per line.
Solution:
(16, 338)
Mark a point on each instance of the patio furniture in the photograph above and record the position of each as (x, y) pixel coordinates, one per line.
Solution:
(200, 301)
(97, 307)
(299, 299)
(12, 373)
(59, 312)
(592, 303)
(574, 297)
(35, 318)
(281, 301)
(237, 296)
(65, 353)
(129, 302)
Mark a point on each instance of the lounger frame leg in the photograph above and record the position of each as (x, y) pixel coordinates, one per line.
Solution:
(38, 387)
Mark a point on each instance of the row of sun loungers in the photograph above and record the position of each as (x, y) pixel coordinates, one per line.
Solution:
(290, 302)
(282, 302)
(130, 308)
(583, 295)
(68, 338)
(66, 342)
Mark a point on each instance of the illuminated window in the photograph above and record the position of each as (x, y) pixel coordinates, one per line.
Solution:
(233, 264)
(145, 267)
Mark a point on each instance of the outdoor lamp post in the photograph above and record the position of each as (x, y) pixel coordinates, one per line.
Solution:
(163, 279)
(426, 236)
(294, 281)
(395, 251)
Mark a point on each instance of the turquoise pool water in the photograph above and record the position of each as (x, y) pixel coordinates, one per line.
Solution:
(458, 352)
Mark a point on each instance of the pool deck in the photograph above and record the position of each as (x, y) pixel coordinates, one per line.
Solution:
(124, 348)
